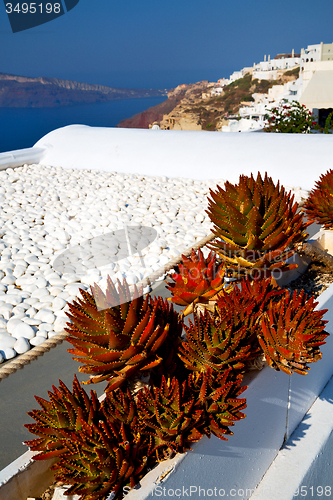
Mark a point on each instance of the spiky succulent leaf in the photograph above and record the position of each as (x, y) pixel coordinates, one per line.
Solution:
(218, 394)
(257, 224)
(248, 301)
(168, 415)
(101, 458)
(116, 342)
(196, 279)
(230, 337)
(319, 205)
(60, 418)
(292, 332)
(218, 343)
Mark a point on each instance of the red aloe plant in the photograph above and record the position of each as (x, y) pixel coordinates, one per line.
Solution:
(218, 394)
(60, 418)
(102, 458)
(96, 447)
(196, 280)
(168, 414)
(258, 225)
(120, 340)
(217, 344)
(319, 205)
(292, 332)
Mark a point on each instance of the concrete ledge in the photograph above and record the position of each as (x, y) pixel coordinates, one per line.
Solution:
(19, 157)
(304, 464)
(25, 478)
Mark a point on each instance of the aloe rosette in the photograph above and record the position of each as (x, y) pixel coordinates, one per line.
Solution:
(217, 343)
(168, 415)
(258, 226)
(95, 445)
(218, 394)
(229, 338)
(197, 279)
(119, 339)
(101, 459)
(319, 205)
(292, 332)
(248, 301)
(60, 418)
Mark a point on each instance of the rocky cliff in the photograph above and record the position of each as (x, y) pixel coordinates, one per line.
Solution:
(156, 113)
(197, 107)
(22, 92)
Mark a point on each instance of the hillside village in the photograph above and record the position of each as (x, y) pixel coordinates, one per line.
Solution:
(240, 103)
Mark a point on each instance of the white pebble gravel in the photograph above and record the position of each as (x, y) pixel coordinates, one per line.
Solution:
(62, 230)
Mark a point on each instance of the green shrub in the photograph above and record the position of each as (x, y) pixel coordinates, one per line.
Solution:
(290, 118)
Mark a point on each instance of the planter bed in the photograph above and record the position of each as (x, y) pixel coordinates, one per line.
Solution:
(276, 404)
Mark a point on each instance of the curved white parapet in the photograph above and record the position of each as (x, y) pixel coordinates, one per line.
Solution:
(294, 159)
(12, 159)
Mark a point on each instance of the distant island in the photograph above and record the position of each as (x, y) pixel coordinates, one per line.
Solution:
(26, 92)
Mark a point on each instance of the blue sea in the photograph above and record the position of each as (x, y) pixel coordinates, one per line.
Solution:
(23, 127)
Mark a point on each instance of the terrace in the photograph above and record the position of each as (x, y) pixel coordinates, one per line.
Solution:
(188, 163)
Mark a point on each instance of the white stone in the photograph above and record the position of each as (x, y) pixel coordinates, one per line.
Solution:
(58, 282)
(45, 327)
(22, 345)
(8, 353)
(6, 310)
(23, 330)
(40, 293)
(52, 333)
(42, 333)
(131, 278)
(18, 271)
(163, 260)
(37, 340)
(58, 304)
(12, 299)
(60, 325)
(54, 290)
(70, 278)
(74, 289)
(31, 312)
(45, 316)
(8, 280)
(31, 258)
(31, 321)
(41, 282)
(12, 323)
(3, 323)
(6, 340)
(30, 301)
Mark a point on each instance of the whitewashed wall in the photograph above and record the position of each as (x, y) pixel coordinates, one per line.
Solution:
(294, 159)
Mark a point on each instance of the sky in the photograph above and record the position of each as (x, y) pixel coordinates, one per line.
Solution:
(156, 44)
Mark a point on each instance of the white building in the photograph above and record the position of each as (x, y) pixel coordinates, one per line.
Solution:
(315, 53)
(317, 79)
(267, 69)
